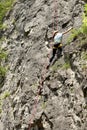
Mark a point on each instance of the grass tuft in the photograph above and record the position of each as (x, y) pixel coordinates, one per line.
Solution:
(5, 6)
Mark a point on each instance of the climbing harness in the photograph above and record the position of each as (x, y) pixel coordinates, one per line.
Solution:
(60, 45)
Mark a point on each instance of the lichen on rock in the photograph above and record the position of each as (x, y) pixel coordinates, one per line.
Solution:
(62, 104)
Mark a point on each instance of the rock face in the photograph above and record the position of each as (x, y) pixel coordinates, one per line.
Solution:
(62, 105)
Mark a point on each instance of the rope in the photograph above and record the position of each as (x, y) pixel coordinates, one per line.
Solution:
(41, 82)
(55, 21)
(34, 111)
(38, 93)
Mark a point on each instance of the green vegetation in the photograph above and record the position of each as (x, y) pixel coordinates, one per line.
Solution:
(56, 66)
(44, 105)
(84, 67)
(2, 97)
(82, 29)
(5, 5)
(5, 95)
(3, 70)
(75, 33)
(83, 40)
(84, 26)
(66, 65)
(2, 39)
(3, 54)
(84, 56)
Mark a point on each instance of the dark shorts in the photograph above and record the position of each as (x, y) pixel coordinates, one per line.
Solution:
(57, 45)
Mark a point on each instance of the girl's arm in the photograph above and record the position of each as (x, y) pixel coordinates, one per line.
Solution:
(67, 30)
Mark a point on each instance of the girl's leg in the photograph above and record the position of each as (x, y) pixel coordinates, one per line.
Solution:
(52, 58)
(53, 55)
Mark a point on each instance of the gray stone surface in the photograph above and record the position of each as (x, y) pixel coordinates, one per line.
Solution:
(62, 105)
(1, 125)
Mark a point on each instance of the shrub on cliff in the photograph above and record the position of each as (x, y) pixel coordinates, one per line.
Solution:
(84, 26)
(3, 70)
(5, 5)
(82, 30)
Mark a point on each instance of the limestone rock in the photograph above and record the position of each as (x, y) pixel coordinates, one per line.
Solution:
(62, 105)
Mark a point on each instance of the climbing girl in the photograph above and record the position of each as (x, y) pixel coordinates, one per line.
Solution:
(56, 46)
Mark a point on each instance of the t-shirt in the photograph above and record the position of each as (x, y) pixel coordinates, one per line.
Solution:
(58, 38)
